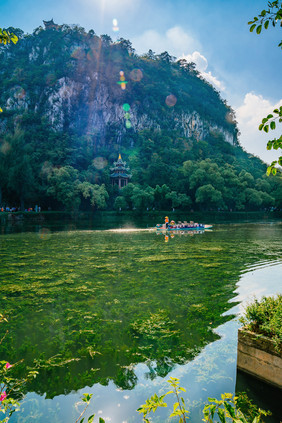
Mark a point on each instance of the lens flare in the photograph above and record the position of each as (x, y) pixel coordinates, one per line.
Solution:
(126, 107)
(128, 124)
(122, 81)
(5, 147)
(19, 93)
(115, 25)
(51, 79)
(170, 100)
(78, 53)
(136, 75)
(100, 163)
(44, 233)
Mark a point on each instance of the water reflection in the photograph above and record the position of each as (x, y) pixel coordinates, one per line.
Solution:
(132, 310)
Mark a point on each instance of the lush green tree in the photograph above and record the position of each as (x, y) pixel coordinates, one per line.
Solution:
(120, 203)
(160, 196)
(127, 193)
(209, 197)
(20, 178)
(142, 198)
(178, 200)
(253, 198)
(97, 194)
(64, 185)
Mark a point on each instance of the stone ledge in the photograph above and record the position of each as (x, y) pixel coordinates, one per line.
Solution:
(258, 357)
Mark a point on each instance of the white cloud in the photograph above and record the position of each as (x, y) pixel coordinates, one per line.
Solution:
(201, 63)
(175, 40)
(249, 116)
(199, 60)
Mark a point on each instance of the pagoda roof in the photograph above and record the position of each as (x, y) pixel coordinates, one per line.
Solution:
(120, 175)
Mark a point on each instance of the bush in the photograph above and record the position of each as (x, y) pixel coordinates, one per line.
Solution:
(265, 317)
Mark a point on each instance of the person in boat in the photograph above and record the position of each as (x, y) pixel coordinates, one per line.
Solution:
(166, 221)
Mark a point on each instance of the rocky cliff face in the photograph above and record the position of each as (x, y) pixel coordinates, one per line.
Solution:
(79, 91)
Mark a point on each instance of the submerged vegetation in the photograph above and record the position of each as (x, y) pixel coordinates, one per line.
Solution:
(86, 308)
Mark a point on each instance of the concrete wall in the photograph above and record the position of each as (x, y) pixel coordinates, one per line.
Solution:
(257, 356)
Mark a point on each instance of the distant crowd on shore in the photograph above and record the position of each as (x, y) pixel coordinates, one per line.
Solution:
(36, 209)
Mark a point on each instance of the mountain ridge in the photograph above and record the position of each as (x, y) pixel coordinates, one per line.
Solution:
(72, 101)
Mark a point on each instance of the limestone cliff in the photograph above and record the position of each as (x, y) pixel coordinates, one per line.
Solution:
(73, 80)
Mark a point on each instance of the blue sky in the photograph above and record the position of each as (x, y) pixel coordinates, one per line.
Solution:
(244, 66)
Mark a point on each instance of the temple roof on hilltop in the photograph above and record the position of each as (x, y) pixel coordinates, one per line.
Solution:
(50, 24)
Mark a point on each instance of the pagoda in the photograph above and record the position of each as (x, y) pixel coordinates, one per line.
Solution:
(120, 173)
(51, 25)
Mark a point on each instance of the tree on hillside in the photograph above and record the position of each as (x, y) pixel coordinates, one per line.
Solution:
(272, 15)
(20, 178)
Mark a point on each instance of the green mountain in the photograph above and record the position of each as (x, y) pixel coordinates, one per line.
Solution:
(72, 101)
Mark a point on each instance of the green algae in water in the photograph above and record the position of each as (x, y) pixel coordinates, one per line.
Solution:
(88, 306)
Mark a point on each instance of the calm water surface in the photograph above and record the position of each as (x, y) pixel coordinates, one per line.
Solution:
(116, 313)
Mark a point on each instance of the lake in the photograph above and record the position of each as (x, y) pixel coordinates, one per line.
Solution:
(117, 312)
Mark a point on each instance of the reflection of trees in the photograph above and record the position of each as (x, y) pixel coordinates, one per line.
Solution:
(113, 301)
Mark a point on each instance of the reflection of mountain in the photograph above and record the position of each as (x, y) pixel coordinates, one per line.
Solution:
(114, 300)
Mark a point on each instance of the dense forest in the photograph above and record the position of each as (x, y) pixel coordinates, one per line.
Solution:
(72, 101)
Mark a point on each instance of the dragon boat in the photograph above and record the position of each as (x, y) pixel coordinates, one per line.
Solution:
(182, 226)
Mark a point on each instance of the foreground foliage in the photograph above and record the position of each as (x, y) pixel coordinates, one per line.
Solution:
(227, 409)
(272, 15)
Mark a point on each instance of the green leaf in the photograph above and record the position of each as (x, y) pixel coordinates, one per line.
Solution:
(280, 161)
(272, 125)
(268, 172)
(266, 23)
(269, 116)
(261, 126)
(252, 27)
(258, 30)
(269, 145)
(221, 415)
(91, 418)
(229, 408)
(266, 127)
(264, 120)
(101, 420)
(82, 420)
(274, 171)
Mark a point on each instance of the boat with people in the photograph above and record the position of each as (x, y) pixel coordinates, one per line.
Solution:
(181, 226)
